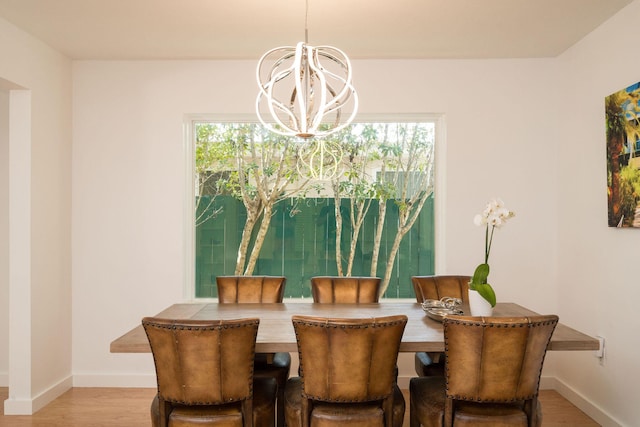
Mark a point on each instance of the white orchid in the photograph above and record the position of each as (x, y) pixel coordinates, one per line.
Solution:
(494, 216)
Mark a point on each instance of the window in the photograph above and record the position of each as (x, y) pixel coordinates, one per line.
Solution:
(263, 205)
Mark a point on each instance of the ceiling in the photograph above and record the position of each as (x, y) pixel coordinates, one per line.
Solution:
(245, 29)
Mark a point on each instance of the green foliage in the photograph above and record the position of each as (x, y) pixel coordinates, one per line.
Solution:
(479, 283)
(615, 120)
(486, 291)
(261, 168)
(629, 193)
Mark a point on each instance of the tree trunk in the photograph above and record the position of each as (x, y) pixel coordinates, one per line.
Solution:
(247, 230)
(361, 207)
(338, 213)
(257, 245)
(377, 238)
(615, 148)
(406, 219)
(390, 260)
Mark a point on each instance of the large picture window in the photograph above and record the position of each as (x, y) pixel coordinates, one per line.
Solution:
(266, 204)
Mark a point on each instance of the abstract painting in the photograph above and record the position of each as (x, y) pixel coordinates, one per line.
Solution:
(622, 114)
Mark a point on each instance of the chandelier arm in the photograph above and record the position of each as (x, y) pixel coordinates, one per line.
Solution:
(336, 107)
(337, 103)
(279, 62)
(345, 123)
(347, 88)
(266, 90)
(341, 59)
(270, 126)
(285, 55)
(321, 86)
(274, 68)
(349, 120)
(274, 104)
(301, 73)
(276, 77)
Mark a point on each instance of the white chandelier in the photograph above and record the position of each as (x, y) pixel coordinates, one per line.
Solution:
(305, 91)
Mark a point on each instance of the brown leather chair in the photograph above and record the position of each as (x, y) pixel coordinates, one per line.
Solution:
(492, 375)
(347, 373)
(260, 289)
(436, 287)
(204, 370)
(343, 290)
(250, 289)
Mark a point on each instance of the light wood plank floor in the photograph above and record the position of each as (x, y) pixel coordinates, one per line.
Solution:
(129, 407)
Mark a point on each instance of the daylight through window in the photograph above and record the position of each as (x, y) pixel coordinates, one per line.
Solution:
(357, 203)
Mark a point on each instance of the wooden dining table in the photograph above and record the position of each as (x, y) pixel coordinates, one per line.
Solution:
(276, 334)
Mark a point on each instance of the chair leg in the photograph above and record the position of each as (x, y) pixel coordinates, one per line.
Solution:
(448, 412)
(413, 421)
(280, 407)
(165, 409)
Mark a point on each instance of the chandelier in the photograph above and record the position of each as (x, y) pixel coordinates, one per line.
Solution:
(305, 91)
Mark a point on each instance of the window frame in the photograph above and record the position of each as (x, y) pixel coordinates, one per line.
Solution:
(189, 287)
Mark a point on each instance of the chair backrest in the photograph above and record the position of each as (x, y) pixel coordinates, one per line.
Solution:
(436, 287)
(345, 290)
(250, 289)
(495, 359)
(203, 362)
(348, 360)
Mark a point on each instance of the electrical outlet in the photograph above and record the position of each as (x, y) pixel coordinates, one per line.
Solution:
(600, 352)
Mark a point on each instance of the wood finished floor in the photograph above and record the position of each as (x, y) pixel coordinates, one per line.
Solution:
(129, 407)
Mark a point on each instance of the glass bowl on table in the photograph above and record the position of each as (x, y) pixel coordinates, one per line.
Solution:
(445, 306)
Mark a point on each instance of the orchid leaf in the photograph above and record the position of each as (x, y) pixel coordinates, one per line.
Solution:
(486, 291)
(480, 275)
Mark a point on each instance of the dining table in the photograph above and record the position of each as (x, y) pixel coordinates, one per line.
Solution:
(276, 333)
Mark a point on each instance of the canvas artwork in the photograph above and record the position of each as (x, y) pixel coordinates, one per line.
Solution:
(622, 111)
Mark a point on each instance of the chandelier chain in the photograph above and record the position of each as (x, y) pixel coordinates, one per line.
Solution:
(306, 22)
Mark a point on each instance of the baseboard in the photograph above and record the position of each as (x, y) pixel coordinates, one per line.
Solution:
(547, 383)
(30, 406)
(403, 382)
(589, 408)
(4, 379)
(125, 381)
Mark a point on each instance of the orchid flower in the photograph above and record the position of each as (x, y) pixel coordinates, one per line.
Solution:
(493, 216)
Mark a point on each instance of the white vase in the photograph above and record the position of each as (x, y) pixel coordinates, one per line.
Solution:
(478, 305)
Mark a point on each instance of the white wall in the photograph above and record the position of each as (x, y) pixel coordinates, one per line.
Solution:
(4, 238)
(40, 203)
(529, 131)
(129, 178)
(598, 278)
